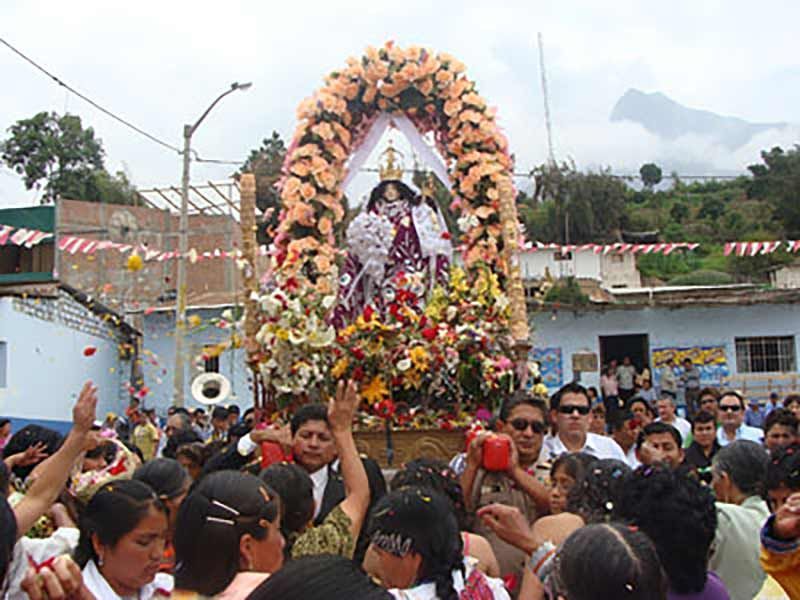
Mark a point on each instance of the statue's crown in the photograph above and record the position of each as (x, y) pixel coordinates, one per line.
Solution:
(390, 164)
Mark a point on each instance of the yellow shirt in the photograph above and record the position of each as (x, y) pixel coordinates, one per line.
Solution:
(145, 437)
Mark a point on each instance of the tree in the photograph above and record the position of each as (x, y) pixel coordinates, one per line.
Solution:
(712, 208)
(266, 163)
(54, 153)
(778, 182)
(679, 212)
(651, 175)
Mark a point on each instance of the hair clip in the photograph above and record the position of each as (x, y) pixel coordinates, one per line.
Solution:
(226, 507)
(393, 543)
(218, 520)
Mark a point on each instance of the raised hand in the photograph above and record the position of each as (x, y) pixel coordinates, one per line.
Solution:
(33, 455)
(787, 519)
(342, 407)
(83, 413)
(509, 524)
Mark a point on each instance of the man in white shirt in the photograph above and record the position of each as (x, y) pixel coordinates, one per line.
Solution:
(570, 409)
(626, 377)
(731, 417)
(666, 414)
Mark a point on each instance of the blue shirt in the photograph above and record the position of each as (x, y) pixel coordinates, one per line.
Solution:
(755, 418)
(745, 432)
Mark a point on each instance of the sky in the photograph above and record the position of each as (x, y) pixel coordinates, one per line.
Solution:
(159, 64)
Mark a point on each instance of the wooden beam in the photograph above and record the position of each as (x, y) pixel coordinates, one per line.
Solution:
(224, 197)
(166, 198)
(199, 193)
(189, 200)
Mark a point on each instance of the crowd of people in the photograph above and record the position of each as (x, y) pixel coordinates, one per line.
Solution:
(553, 499)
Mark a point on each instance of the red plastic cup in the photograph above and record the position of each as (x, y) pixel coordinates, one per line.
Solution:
(496, 453)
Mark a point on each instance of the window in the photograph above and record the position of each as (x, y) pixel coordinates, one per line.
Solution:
(766, 354)
(3, 365)
(562, 256)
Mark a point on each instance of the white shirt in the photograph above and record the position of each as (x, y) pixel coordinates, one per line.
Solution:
(596, 445)
(427, 591)
(320, 480)
(631, 458)
(745, 432)
(681, 424)
(160, 587)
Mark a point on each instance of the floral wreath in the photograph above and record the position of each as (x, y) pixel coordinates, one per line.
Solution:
(432, 90)
(459, 342)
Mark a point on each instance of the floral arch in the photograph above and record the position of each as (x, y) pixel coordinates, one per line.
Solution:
(433, 91)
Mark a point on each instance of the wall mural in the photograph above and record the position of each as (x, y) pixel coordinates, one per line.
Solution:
(710, 360)
(550, 366)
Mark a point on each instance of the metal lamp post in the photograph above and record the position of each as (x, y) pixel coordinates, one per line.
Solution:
(183, 247)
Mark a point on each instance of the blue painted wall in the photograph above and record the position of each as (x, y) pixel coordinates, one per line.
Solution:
(45, 366)
(708, 326)
(159, 359)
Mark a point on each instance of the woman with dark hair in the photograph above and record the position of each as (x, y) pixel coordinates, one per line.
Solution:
(228, 537)
(123, 532)
(315, 577)
(630, 566)
(434, 475)
(170, 481)
(565, 472)
(294, 487)
(415, 537)
(193, 458)
(739, 472)
(593, 497)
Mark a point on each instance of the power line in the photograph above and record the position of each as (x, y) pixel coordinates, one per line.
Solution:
(89, 100)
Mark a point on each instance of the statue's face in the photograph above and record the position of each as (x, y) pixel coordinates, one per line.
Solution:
(391, 193)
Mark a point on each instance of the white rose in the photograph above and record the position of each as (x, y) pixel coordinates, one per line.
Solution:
(404, 364)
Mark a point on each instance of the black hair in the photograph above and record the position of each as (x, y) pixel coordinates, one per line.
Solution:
(780, 416)
(435, 475)
(221, 509)
(594, 495)
(783, 469)
(4, 422)
(630, 565)
(8, 536)
(745, 462)
(703, 417)
(421, 521)
(222, 457)
(28, 436)
(199, 410)
(309, 412)
(657, 428)
(195, 451)
(114, 511)
(166, 476)
(735, 394)
(678, 513)
(219, 413)
(5, 480)
(573, 464)
(639, 400)
(293, 485)
(570, 388)
(519, 400)
(791, 399)
(182, 437)
(233, 409)
(405, 193)
(315, 577)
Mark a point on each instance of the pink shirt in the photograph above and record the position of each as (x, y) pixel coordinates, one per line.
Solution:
(609, 385)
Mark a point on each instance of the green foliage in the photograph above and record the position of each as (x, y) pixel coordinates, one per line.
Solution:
(581, 207)
(702, 277)
(651, 175)
(679, 212)
(712, 208)
(566, 291)
(265, 163)
(778, 182)
(54, 153)
(667, 266)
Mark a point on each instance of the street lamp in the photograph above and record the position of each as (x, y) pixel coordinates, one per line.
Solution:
(183, 246)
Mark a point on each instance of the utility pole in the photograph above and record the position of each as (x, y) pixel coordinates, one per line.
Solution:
(550, 154)
(183, 249)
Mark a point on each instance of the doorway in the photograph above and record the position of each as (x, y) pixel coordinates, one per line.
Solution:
(617, 347)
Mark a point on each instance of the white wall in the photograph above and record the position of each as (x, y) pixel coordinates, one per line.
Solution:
(786, 278)
(46, 368)
(718, 326)
(619, 270)
(584, 265)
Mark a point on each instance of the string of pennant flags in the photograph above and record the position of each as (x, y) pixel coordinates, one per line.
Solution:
(29, 238)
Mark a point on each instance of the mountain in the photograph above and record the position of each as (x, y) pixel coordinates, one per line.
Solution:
(669, 120)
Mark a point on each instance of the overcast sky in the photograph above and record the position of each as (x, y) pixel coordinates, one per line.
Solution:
(159, 64)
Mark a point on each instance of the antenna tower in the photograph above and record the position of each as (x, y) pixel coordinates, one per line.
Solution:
(550, 154)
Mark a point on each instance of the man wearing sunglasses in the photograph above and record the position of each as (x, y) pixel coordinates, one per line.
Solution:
(570, 409)
(731, 417)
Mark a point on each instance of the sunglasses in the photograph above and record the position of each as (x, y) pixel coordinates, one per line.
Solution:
(568, 409)
(523, 424)
(730, 408)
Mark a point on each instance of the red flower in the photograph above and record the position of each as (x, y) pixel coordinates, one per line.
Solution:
(358, 374)
(385, 409)
(291, 284)
(423, 320)
(446, 235)
(89, 350)
(358, 353)
(368, 312)
(429, 333)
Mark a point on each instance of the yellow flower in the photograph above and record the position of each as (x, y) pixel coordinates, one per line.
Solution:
(375, 391)
(135, 262)
(419, 356)
(340, 367)
(194, 321)
(282, 334)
